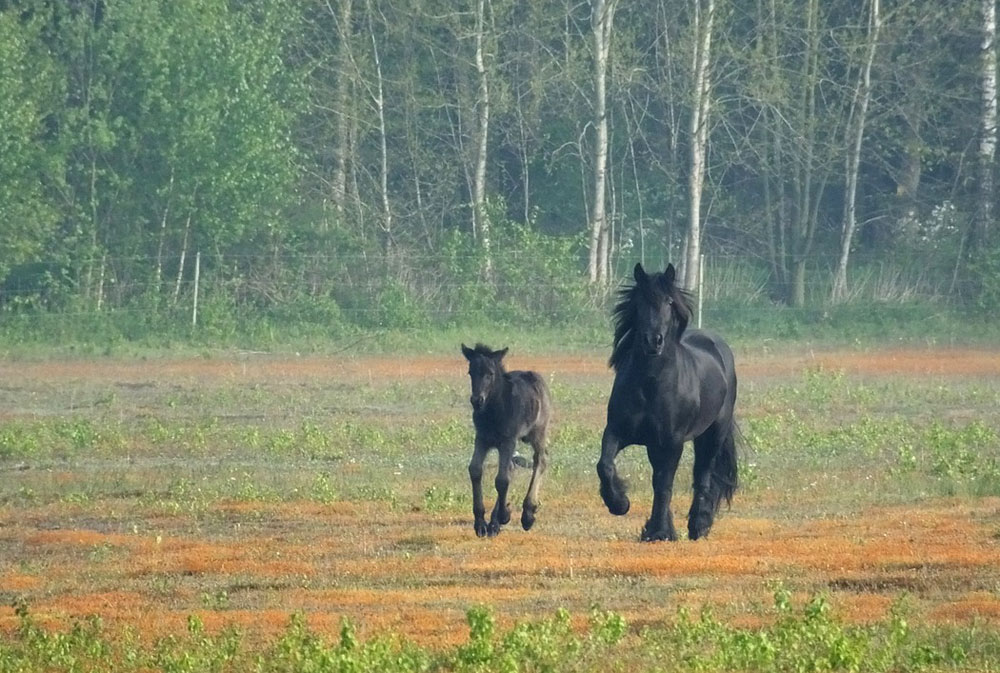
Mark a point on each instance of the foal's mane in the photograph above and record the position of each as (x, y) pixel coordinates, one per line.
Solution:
(655, 290)
(487, 352)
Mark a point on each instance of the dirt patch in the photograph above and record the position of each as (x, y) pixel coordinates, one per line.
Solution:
(888, 362)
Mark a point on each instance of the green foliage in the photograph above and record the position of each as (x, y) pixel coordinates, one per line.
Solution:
(809, 638)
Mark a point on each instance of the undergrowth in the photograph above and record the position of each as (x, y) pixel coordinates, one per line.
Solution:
(799, 638)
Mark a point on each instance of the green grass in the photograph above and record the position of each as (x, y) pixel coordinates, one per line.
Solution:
(132, 455)
(806, 638)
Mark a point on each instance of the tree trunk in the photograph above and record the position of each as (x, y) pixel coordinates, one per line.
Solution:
(602, 20)
(856, 132)
(806, 201)
(480, 222)
(379, 99)
(983, 221)
(180, 263)
(704, 15)
(341, 129)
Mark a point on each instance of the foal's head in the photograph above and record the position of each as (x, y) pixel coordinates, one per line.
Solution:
(485, 371)
(651, 314)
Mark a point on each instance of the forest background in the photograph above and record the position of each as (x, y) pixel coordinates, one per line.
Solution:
(301, 169)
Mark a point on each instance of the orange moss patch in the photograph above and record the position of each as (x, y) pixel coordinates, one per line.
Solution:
(19, 582)
(974, 606)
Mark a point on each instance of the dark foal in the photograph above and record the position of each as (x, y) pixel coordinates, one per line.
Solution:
(672, 385)
(506, 407)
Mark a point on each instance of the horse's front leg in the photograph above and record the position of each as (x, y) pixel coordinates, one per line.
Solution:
(476, 475)
(664, 459)
(501, 509)
(612, 486)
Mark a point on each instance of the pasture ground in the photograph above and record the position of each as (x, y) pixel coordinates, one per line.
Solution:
(243, 489)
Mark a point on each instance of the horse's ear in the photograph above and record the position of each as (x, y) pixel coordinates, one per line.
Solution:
(669, 275)
(467, 352)
(498, 355)
(639, 273)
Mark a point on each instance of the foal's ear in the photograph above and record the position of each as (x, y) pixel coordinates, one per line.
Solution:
(498, 355)
(639, 273)
(467, 352)
(669, 275)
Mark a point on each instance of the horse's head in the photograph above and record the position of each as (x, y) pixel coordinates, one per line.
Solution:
(660, 309)
(485, 372)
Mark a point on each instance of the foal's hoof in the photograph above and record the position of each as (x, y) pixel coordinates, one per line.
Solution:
(520, 461)
(527, 519)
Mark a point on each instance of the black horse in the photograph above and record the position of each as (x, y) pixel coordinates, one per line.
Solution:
(671, 385)
(506, 407)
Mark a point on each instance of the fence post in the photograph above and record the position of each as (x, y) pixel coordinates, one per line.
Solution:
(701, 285)
(197, 273)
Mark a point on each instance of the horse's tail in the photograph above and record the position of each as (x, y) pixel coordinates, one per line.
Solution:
(725, 471)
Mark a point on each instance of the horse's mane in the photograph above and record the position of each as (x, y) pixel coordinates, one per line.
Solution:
(654, 290)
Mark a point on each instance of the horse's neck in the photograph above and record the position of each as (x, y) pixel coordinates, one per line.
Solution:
(663, 367)
(501, 392)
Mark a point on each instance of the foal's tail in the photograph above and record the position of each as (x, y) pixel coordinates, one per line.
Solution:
(725, 472)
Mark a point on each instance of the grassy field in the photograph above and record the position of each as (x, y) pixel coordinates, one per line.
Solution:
(232, 510)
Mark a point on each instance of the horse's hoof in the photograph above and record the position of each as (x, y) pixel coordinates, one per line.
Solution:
(698, 533)
(480, 527)
(619, 507)
(527, 519)
(520, 461)
(505, 517)
(657, 536)
(699, 525)
(493, 529)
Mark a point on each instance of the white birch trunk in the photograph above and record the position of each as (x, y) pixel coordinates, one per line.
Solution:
(480, 222)
(339, 186)
(988, 130)
(602, 20)
(704, 15)
(856, 132)
(379, 100)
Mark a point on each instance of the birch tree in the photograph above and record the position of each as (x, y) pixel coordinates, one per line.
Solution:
(856, 131)
(602, 21)
(378, 100)
(983, 221)
(704, 15)
(480, 222)
(342, 15)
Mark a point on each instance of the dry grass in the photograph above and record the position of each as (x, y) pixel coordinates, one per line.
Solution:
(397, 566)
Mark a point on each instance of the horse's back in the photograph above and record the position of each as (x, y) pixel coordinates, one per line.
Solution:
(714, 361)
(706, 343)
(531, 395)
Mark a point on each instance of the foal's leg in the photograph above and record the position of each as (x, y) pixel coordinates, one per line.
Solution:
(538, 469)
(501, 509)
(612, 486)
(476, 475)
(705, 501)
(664, 459)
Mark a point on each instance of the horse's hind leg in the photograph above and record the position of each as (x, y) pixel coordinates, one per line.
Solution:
(538, 469)
(707, 494)
(501, 509)
(476, 476)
